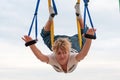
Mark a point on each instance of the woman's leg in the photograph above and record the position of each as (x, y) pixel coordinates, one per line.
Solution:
(45, 33)
(81, 23)
(47, 25)
(49, 22)
(79, 16)
(74, 38)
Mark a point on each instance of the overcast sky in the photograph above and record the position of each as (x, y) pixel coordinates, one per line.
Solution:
(18, 62)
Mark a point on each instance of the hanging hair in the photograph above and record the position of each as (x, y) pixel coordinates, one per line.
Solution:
(63, 44)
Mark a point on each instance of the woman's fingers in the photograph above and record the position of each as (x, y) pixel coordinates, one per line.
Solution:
(91, 31)
(26, 38)
(23, 38)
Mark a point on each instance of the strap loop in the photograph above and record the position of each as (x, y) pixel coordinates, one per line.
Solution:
(34, 19)
(31, 26)
(30, 43)
(86, 10)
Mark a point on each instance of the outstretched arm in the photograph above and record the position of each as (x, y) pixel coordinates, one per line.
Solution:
(35, 50)
(86, 46)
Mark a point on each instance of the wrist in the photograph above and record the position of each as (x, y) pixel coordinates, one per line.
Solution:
(31, 42)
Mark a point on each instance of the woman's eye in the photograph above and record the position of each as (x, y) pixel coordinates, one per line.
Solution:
(59, 53)
(64, 52)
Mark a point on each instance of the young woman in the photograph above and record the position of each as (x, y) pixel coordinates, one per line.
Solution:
(64, 58)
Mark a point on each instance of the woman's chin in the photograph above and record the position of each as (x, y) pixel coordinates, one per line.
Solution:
(62, 63)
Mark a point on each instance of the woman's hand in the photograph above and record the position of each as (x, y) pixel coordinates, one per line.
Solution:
(90, 34)
(91, 31)
(27, 38)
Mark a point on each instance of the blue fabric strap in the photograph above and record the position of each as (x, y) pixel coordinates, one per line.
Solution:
(36, 30)
(54, 7)
(87, 10)
(34, 19)
(91, 21)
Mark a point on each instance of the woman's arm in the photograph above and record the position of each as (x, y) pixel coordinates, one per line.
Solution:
(39, 54)
(86, 47)
(84, 50)
(36, 51)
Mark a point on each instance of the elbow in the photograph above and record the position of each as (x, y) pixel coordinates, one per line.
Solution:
(82, 58)
(40, 59)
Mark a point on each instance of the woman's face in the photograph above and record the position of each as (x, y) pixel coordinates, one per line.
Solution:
(62, 57)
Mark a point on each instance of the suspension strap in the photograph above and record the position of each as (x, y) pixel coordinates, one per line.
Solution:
(31, 26)
(54, 7)
(52, 25)
(87, 10)
(79, 29)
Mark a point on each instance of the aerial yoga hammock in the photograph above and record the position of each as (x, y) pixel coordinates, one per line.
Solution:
(65, 56)
(86, 11)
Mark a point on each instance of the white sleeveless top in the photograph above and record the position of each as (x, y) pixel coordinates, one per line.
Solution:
(72, 62)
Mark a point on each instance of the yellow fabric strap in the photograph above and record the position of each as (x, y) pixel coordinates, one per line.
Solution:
(79, 33)
(52, 33)
(49, 3)
(79, 29)
(78, 1)
(52, 26)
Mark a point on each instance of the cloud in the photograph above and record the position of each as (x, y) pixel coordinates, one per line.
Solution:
(108, 43)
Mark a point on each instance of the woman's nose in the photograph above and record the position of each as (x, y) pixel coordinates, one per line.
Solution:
(62, 55)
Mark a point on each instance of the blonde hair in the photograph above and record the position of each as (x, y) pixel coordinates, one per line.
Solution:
(63, 44)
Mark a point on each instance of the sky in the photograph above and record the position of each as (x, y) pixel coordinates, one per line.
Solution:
(18, 62)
